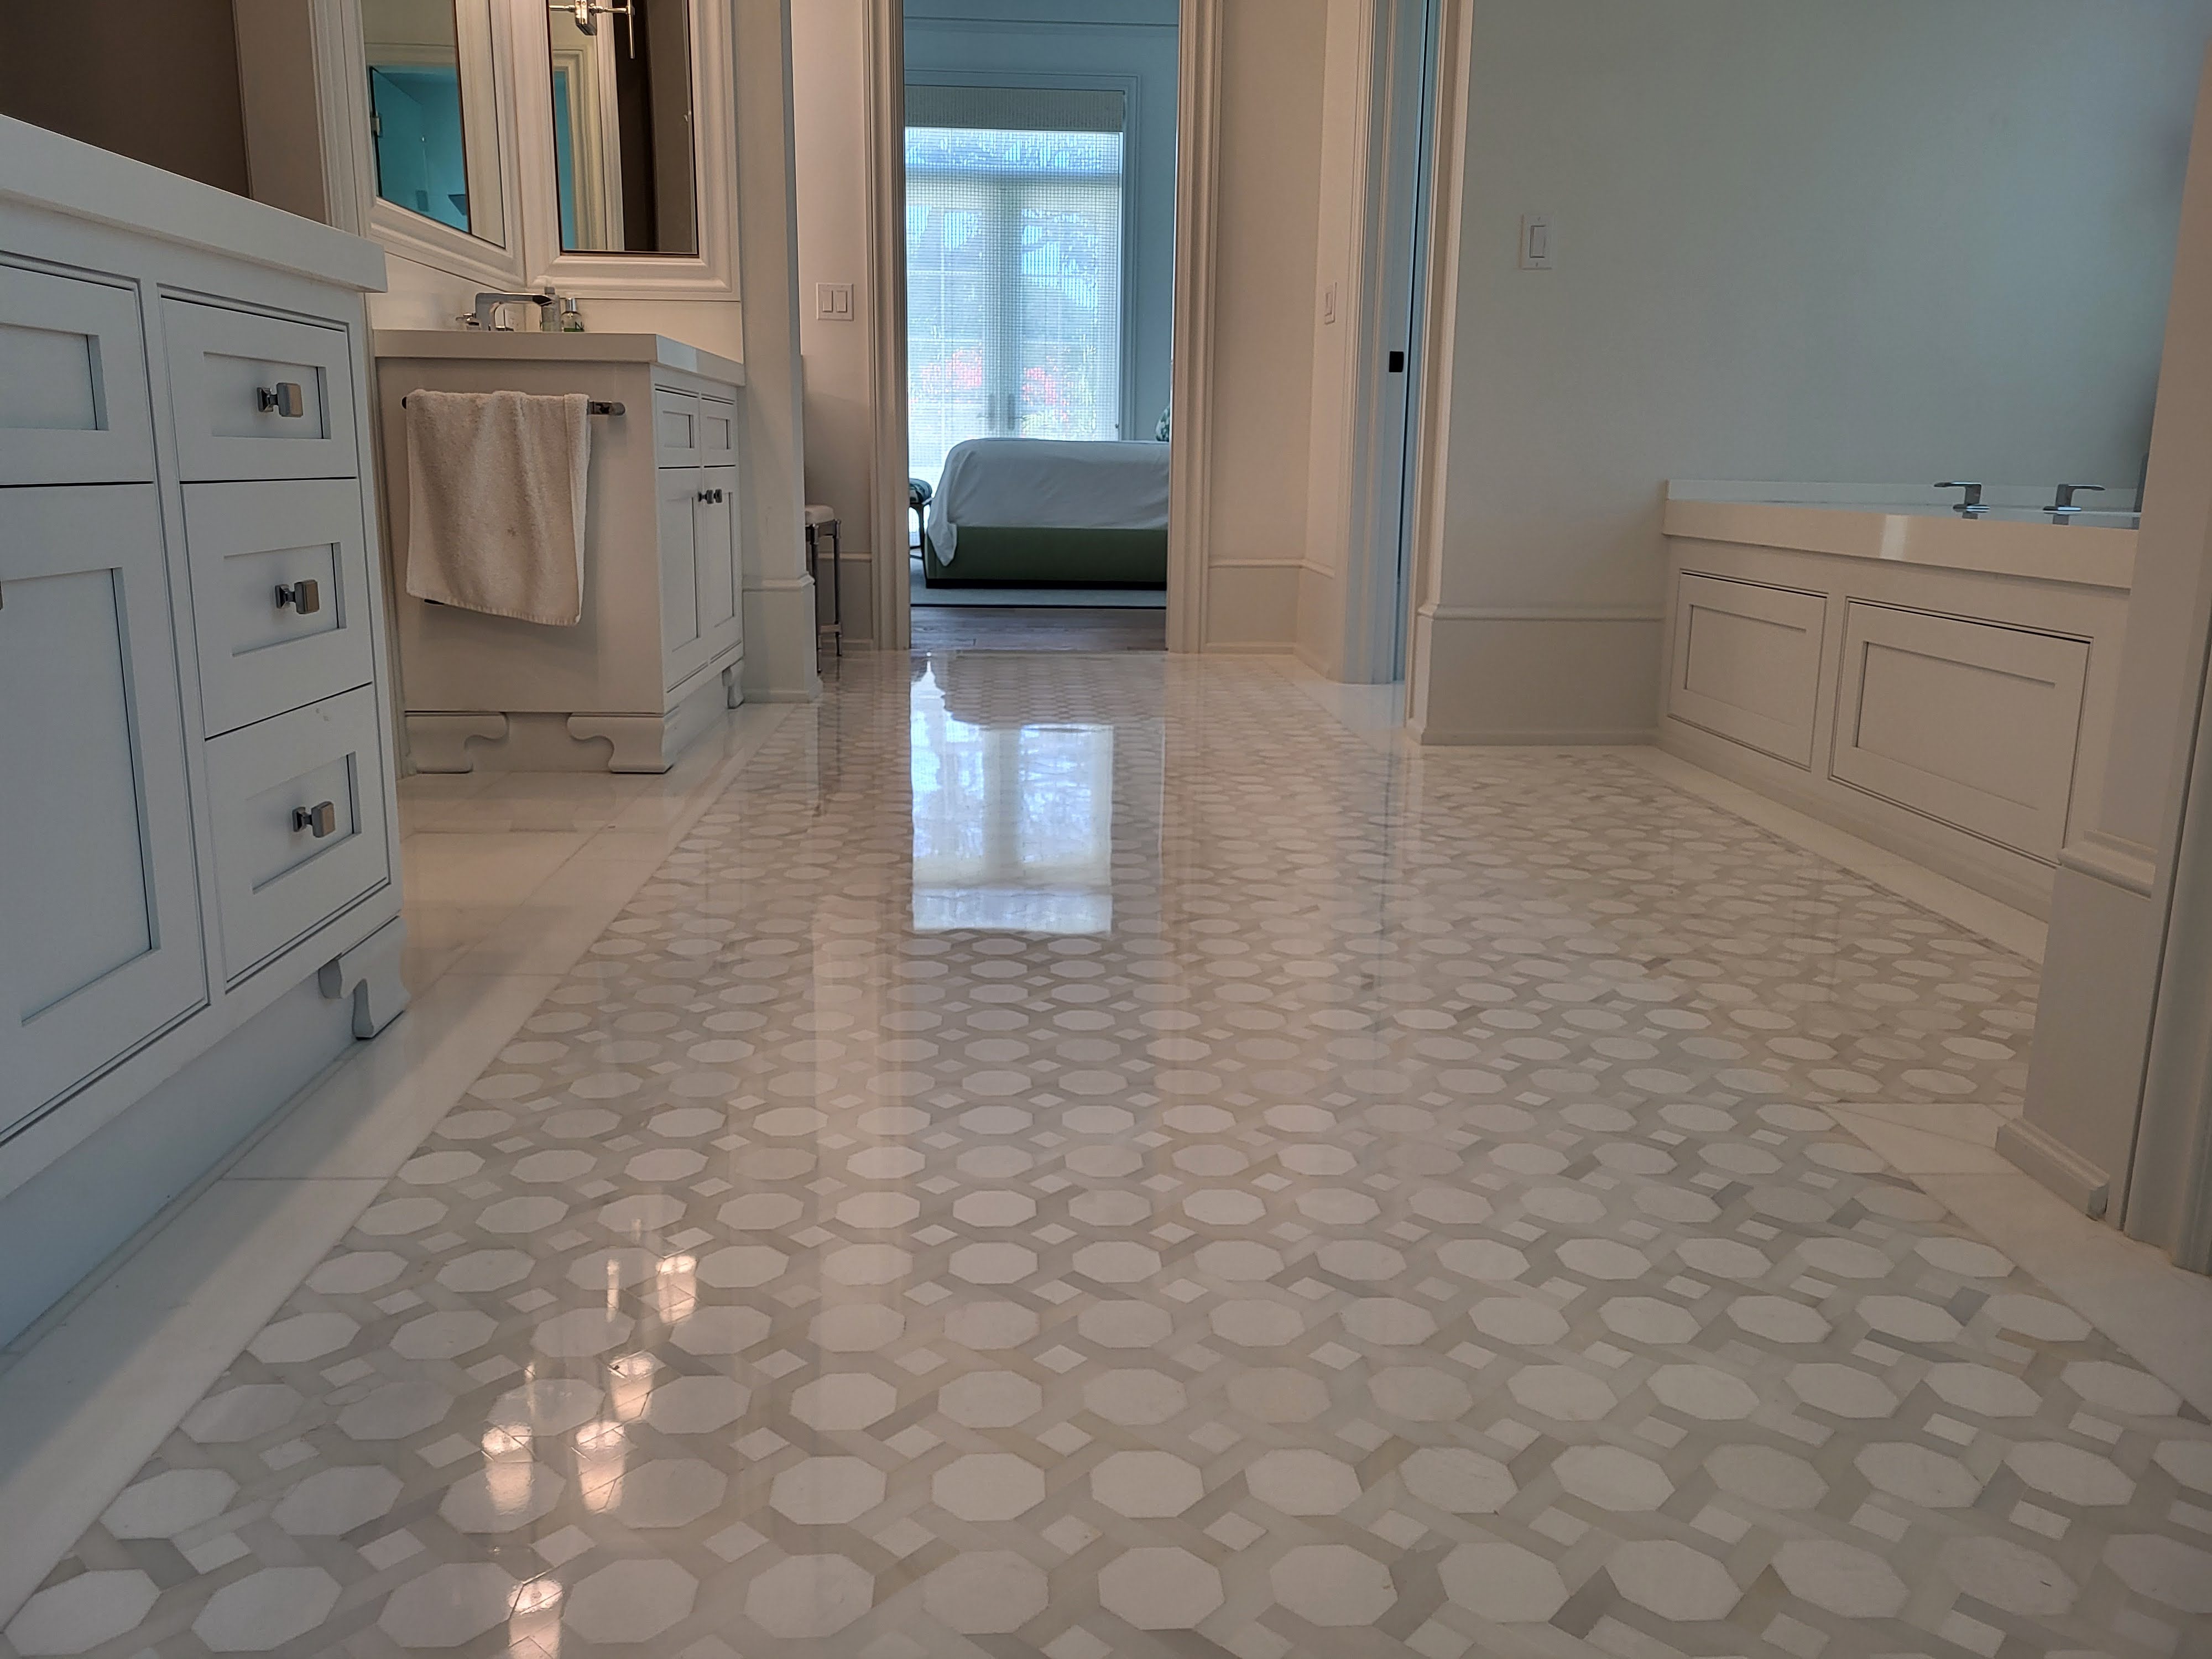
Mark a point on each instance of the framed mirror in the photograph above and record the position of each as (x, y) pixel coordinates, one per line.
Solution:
(434, 142)
(625, 159)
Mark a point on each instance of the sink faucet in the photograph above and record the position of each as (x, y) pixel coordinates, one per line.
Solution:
(1972, 507)
(488, 305)
(2061, 507)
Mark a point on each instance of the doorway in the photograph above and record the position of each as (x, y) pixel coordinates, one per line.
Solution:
(1034, 156)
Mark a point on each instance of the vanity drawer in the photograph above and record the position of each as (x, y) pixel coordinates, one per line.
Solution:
(259, 396)
(280, 595)
(73, 402)
(675, 427)
(717, 432)
(271, 788)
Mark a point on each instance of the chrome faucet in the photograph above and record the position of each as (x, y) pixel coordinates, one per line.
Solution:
(1972, 507)
(2061, 507)
(488, 307)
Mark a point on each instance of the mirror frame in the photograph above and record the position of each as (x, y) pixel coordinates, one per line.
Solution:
(711, 273)
(488, 97)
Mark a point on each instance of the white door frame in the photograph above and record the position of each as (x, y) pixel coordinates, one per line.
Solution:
(1393, 197)
(1197, 100)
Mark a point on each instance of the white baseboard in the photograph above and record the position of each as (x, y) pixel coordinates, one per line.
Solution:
(1553, 677)
(1562, 737)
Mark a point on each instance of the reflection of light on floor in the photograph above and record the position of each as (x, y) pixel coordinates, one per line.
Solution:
(1013, 826)
(533, 1627)
(630, 1384)
(676, 1288)
(510, 1475)
(601, 1450)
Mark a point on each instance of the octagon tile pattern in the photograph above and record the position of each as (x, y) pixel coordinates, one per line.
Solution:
(1080, 1156)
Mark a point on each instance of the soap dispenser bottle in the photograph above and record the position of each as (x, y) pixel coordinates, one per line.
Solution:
(572, 317)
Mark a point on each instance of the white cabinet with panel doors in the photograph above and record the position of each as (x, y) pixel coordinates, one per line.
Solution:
(197, 866)
(661, 642)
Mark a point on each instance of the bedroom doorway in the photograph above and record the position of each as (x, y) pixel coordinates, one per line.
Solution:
(1037, 159)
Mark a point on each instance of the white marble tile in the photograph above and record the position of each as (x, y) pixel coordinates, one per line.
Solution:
(1405, 1202)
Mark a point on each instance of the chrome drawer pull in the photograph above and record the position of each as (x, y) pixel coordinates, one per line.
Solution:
(283, 399)
(304, 596)
(322, 818)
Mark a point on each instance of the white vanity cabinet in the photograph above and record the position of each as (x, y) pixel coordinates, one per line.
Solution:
(661, 642)
(1940, 687)
(199, 894)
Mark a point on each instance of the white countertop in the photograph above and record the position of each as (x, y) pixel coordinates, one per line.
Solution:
(478, 345)
(2009, 543)
(43, 169)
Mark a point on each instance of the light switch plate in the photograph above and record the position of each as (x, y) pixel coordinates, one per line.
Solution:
(1328, 303)
(833, 301)
(1535, 241)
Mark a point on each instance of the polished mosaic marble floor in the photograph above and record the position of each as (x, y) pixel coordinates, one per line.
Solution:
(1083, 1157)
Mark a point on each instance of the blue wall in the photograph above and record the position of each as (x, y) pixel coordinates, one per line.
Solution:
(1076, 43)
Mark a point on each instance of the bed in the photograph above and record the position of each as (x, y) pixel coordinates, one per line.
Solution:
(1038, 513)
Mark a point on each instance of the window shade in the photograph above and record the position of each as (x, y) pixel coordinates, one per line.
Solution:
(1014, 291)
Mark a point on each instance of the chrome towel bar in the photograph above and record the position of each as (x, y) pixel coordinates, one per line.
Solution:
(598, 407)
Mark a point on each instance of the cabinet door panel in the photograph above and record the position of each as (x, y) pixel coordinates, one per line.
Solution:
(259, 396)
(720, 584)
(717, 432)
(1747, 663)
(1973, 724)
(73, 400)
(99, 900)
(260, 655)
(675, 427)
(683, 648)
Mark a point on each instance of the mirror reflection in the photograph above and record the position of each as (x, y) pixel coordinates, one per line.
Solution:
(1013, 825)
(422, 67)
(622, 125)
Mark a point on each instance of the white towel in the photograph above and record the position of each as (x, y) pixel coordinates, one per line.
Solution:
(496, 502)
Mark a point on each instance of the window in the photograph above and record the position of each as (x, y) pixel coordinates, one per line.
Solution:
(1014, 285)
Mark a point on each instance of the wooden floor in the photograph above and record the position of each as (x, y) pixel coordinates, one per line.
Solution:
(1012, 627)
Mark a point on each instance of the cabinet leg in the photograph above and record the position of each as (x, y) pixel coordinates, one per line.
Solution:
(440, 742)
(636, 743)
(733, 693)
(369, 974)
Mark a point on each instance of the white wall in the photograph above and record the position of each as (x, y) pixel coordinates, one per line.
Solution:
(1881, 242)
(830, 74)
(1272, 79)
(1321, 578)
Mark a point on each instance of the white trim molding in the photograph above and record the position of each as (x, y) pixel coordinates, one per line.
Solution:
(1440, 336)
(1542, 613)
(487, 55)
(2108, 857)
(1544, 675)
(885, 157)
(709, 274)
(1198, 127)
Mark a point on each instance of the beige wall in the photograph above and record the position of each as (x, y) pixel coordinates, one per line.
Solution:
(154, 80)
(1886, 242)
